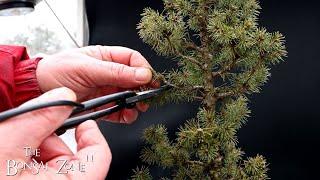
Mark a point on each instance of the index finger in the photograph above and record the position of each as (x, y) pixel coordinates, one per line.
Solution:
(116, 54)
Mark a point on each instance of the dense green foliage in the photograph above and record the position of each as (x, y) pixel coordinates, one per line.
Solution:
(223, 57)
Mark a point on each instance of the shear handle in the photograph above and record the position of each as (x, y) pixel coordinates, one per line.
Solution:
(97, 102)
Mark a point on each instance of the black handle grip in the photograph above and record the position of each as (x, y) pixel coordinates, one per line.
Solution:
(97, 102)
(24, 109)
(74, 121)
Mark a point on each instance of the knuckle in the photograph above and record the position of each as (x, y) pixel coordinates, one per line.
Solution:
(85, 140)
(102, 51)
(135, 54)
(118, 70)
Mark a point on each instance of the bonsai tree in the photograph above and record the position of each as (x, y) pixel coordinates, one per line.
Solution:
(223, 57)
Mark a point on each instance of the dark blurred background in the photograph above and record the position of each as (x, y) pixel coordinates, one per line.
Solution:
(284, 125)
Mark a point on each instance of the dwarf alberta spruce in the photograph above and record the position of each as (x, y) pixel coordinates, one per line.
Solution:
(223, 57)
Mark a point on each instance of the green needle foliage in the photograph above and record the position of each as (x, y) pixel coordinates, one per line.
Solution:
(223, 56)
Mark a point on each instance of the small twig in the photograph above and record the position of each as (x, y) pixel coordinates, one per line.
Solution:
(254, 69)
(198, 87)
(183, 56)
(244, 86)
(225, 94)
(196, 162)
(198, 98)
(192, 46)
(230, 66)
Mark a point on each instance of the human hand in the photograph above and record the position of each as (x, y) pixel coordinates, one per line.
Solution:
(35, 130)
(95, 71)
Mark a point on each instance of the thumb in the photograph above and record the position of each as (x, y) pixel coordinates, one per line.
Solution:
(103, 73)
(32, 128)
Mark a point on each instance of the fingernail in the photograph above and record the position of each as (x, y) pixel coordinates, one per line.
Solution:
(143, 74)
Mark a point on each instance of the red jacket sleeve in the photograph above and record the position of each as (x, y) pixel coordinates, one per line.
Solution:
(18, 81)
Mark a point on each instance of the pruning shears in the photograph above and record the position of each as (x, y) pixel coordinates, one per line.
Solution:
(126, 99)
